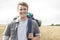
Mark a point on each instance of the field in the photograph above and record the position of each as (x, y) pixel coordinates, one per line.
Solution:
(2, 27)
(50, 32)
(47, 32)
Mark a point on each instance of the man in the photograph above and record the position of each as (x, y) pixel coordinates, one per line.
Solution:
(17, 30)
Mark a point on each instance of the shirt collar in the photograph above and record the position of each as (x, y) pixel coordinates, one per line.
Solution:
(18, 19)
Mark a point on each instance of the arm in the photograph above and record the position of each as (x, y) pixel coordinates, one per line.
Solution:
(36, 32)
(6, 33)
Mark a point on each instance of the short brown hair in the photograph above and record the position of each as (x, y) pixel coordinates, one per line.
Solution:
(23, 4)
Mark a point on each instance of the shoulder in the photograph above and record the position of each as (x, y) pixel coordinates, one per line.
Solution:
(12, 23)
(34, 22)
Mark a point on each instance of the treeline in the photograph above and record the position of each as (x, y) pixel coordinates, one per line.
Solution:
(55, 24)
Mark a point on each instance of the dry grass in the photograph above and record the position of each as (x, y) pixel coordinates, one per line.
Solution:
(2, 27)
(47, 32)
(50, 32)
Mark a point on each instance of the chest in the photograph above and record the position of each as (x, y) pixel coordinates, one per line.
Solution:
(22, 27)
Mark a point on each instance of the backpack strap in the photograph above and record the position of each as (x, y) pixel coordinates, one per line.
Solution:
(29, 26)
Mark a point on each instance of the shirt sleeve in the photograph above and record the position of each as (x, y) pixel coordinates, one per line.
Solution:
(36, 29)
(6, 33)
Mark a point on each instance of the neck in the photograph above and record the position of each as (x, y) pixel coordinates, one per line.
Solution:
(23, 18)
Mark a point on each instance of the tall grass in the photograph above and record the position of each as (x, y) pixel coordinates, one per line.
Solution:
(50, 32)
(47, 32)
(2, 27)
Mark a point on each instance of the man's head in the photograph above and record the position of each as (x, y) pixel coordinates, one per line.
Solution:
(22, 9)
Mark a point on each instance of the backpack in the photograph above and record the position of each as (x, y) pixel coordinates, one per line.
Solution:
(38, 22)
(30, 15)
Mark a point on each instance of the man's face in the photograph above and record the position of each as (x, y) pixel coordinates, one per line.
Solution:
(22, 11)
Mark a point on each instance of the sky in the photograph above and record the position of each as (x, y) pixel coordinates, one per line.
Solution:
(48, 11)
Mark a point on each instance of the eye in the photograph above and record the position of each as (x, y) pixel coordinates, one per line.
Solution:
(21, 9)
(24, 9)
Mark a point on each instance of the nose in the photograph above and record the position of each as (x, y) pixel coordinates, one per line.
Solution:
(23, 10)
